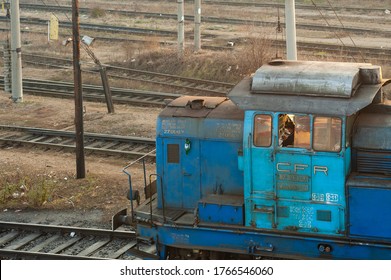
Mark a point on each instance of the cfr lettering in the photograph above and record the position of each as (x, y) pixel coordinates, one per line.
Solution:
(287, 167)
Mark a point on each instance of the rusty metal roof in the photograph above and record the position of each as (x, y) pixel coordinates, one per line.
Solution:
(245, 99)
(203, 107)
(314, 78)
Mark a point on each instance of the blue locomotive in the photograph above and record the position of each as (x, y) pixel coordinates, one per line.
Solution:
(295, 163)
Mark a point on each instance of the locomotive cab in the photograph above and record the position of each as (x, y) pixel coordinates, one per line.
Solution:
(297, 142)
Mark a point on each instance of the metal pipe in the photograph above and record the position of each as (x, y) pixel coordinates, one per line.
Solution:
(16, 53)
(290, 24)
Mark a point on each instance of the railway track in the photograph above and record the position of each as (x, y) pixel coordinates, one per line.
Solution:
(93, 142)
(255, 3)
(351, 30)
(189, 86)
(37, 241)
(94, 93)
(307, 46)
(275, 5)
(180, 85)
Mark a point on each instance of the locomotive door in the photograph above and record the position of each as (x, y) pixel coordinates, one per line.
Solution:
(281, 173)
(259, 181)
(181, 173)
(293, 172)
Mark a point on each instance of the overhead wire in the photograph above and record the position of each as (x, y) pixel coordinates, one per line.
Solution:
(340, 21)
(328, 24)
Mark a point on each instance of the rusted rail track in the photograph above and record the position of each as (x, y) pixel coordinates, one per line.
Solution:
(37, 241)
(93, 142)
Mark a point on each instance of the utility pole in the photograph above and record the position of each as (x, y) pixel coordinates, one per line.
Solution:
(181, 26)
(79, 132)
(7, 55)
(197, 25)
(290, 24)
(16, 53)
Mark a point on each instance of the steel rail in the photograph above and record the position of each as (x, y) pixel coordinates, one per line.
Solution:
(94, 142)
(185, 85)
(275, 5)
(68, 62)
(99, 27)
(214, 20)
(308, 46)
(206, 2)
(38, 241)
(214, 2)
(382, 54)
(95, 93)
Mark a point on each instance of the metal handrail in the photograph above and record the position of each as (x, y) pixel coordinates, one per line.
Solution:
(124, 170)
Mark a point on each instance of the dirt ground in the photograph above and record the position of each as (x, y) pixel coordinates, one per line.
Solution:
(40, 186)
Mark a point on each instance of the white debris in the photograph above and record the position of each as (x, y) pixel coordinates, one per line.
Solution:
(72, 234)
(16, 195)
(387, 12)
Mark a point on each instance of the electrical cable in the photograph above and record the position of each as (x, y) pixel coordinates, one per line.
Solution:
(335, 33)
(340, 21)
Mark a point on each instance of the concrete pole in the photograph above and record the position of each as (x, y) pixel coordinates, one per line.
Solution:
(290, 26)
(181, 26)
(7, 67)
(197, 25)
(16, 53)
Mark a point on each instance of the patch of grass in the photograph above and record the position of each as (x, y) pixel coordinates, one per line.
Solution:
(97, 12)
(6, 191)
(25, 189)
(40, 192)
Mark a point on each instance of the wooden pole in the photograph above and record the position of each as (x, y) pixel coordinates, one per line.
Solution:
(80, 162)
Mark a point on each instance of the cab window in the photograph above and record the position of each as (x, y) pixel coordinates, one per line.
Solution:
(327, 134)
(262, 130)
(294, 131)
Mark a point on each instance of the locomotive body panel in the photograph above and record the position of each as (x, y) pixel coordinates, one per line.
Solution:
(283, 168)
(198, 144)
